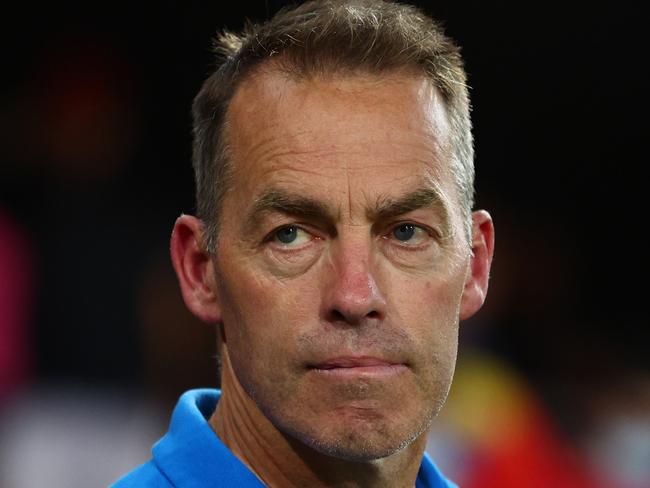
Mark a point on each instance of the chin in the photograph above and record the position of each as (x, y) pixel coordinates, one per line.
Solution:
(363, 442)
(357, 450)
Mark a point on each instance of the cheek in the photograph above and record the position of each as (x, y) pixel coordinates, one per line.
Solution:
(263, 314)
(429, 310)
(424, 301)
(263, 319)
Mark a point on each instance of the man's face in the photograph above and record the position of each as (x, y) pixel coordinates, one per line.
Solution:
(341, 258)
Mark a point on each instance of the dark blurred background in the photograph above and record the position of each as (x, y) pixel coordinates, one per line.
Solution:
(95, 166)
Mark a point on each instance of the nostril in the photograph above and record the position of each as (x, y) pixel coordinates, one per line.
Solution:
(336, 316)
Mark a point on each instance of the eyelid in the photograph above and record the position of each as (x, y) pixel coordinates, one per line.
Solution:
(271, 236)
(430, 230)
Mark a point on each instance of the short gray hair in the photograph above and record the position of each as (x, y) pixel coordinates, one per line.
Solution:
(318, 37)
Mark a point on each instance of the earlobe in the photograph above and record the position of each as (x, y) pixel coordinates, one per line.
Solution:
(476, 285)
(194, 269)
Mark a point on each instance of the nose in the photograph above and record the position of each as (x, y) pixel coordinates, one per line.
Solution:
(353, 294)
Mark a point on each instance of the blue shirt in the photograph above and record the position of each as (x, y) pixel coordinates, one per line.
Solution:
(190, 455)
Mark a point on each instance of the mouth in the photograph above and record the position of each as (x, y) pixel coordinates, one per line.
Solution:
(358, 366)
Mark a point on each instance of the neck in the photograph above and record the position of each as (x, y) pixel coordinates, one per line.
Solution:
(279, 460)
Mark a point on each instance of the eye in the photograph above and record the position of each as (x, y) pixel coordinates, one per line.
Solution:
(404, 232)
(410, 234)
(291, 236)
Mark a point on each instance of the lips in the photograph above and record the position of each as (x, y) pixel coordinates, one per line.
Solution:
(357, 367)
(353, 362)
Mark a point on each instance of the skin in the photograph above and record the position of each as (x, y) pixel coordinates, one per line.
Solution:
(341, 273)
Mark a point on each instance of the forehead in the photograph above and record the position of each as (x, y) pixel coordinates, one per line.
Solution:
(373, 131)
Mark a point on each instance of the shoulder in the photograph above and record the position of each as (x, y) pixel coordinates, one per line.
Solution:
(146, 475)
(190, 454)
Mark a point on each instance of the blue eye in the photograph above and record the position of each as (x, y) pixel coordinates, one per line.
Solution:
(404, 232)
(292, 236)
(287, 235)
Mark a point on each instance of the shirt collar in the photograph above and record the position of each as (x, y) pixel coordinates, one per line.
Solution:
(191, 455)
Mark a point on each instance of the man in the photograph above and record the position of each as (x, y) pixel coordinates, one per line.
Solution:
(336, 248)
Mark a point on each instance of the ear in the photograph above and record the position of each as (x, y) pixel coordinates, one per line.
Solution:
(476, 284)
(195, 269)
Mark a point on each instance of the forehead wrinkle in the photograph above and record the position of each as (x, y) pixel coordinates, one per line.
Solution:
(289, 172)
(277, 158)
(277, 146)
(431, 145)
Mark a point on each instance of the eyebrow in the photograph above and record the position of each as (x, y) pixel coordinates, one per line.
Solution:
(287, 203)
(423, 197)
(280, 201)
